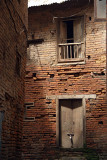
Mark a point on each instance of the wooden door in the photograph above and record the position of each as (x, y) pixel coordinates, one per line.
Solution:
(71, 123)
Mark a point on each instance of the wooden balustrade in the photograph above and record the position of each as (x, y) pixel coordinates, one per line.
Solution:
(70, 51)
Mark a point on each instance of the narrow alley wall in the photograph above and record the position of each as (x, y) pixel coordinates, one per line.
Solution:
(48, 81)
(13, 46)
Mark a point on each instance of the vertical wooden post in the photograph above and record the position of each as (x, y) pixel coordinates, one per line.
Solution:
(77, 51)
(67, 53)
(70, 51)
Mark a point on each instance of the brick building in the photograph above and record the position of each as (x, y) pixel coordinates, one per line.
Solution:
(13, 46)
(65, 82)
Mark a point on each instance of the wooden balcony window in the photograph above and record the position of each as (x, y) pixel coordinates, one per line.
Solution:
(71, 52)
(71, 39)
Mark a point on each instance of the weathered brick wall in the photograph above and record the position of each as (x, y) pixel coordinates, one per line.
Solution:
(39, 135)
(13, 36)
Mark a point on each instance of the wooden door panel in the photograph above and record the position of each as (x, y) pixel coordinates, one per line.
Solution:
(78, 124)
(66, 121)
(71, 122)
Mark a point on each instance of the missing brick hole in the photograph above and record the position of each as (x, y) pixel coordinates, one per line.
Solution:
(102, 73)
(34, 74)
(100, 122)
(54, 115)
(76, 75)
(51, 75)
(99, 74)
(90, 18)
(48, 102)
(63, 79)
(29, 107)
(29, 103)
(89, 57)
(29, 118)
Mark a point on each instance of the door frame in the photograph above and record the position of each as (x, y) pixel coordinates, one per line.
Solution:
(58, 117)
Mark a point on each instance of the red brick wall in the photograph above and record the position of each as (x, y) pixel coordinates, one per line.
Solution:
(39, 135)
(13, 37)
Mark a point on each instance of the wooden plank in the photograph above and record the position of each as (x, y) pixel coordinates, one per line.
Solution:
(63, 31)
(64, 51)
(71, 60)
(77, 51)
(59, 56)
(77, 123)
(65, 123)
(66, 44)
(67, 53)
(78, 28)
(74, 51)
(71, 51)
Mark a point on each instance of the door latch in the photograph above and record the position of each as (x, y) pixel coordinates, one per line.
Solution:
(71, 138)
